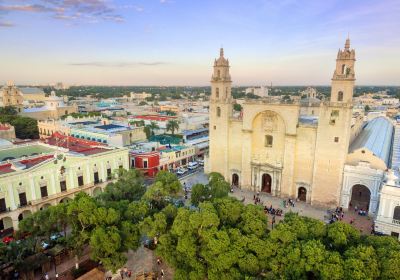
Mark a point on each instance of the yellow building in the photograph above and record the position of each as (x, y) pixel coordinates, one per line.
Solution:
(10, 95)
(280, 148)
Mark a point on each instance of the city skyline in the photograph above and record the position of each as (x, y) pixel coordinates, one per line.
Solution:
(155, 42)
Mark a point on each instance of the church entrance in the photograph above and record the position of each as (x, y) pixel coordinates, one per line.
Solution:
(302, 194)
(266, 183)
(360, 197)
(235, 180)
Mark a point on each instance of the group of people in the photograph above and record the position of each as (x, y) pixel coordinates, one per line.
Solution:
(288, 202)
(125, 273)
(337, 215)
(273, 211)
(361, 211)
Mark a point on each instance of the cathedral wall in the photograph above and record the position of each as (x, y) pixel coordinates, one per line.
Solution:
(235, 150)
(304, 159)
(332, 144)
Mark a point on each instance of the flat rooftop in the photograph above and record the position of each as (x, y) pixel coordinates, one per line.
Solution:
(23, 151)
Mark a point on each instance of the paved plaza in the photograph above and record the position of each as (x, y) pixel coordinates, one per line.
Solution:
(363, 223)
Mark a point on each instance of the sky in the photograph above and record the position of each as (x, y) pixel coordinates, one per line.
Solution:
(174, 42)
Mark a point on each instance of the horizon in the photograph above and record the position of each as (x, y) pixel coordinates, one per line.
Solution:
(174, 43)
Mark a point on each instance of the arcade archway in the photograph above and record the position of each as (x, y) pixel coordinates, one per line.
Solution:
(360, 197)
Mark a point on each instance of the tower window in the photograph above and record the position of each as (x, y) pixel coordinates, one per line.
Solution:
(340, 96)
(336, 139)
(218, 111)
(217, 92)
(219, 74)
(268, 140)
(215, 127)
(343, 69)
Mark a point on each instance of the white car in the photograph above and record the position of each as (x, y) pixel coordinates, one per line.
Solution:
(181, 171)
(201, 162)
(192, 165)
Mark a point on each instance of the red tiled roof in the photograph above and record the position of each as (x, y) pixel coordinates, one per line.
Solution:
(6, 168)
(33, 161)
(77, 145)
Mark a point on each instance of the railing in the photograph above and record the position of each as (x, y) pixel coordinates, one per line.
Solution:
(397, 222)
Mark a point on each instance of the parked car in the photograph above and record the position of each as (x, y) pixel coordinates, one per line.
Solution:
(181, 171)
(201, 162)
(192, 165)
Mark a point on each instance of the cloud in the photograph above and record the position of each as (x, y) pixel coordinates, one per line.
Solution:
(71, 10)
(118, 64)
(6, 24)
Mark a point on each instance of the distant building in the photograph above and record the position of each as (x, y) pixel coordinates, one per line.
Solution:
(54, 108)
(261, 91)
(7, 131)
(10, 95)
(33, 95)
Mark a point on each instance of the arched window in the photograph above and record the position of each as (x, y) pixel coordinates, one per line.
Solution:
(343, 69)
(218, 111)
(396, 213)
(268, 140)
(219, 74)
(217, 92)
(340, 96)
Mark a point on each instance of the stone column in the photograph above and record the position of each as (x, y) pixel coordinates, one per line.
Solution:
(52, 183)
(11, 196)
(32, 186)
(71, 178)
(88, 174)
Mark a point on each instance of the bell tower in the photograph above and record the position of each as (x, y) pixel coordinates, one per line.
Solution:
(344, 76)
(220, 113)
(221, 79)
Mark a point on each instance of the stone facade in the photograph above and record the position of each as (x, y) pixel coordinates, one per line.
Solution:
(272, 147)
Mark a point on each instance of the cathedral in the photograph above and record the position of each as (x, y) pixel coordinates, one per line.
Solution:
(287, 149)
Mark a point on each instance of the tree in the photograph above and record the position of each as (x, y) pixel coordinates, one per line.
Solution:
(166, 186)
(172, 125)
(237, 107)
(129, 186)
(153, 126)
(200, 193)
(142, 103)
(367, 108)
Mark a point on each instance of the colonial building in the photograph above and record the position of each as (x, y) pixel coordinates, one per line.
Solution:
(10, 95)
(38, 174)
(279, 148)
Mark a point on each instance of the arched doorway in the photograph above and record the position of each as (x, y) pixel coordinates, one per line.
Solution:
(302, 194)
(235, 180)
(266, 183)
(360, 197)
(97, 191)
(65, 200)
(396, 213)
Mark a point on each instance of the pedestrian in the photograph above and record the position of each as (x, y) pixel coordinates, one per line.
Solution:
(56, 275)
(162, 274)
(46, 276)
(121, 273)
(158, 261)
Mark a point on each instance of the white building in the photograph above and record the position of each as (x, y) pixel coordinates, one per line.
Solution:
(261, 91)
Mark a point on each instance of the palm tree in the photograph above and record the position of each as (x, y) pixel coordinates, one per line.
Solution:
(172, 125)
(153, 126)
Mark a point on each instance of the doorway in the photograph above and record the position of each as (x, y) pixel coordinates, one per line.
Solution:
(360, 197)
(266, 183)
(302, 194)
(235, 180)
